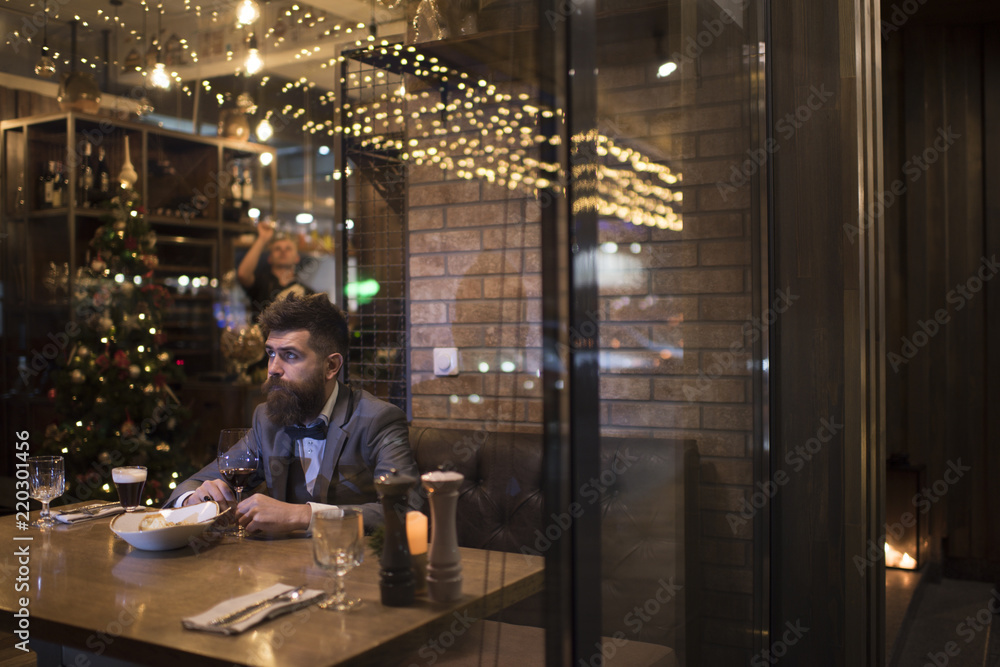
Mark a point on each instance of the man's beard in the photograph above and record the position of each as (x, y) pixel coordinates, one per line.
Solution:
(294, 402)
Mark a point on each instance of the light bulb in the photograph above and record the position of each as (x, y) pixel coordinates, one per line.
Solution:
(45, 67)
(666, 69)
(264, 130)
(266, 158)
(247, 12)
(254, 63)
(158, 77)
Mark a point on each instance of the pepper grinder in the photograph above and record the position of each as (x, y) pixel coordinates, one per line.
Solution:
(396, 573)
(444, 561)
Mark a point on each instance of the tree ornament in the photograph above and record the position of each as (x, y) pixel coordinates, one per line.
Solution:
(76, 376)
(133, 371)
(129, 429)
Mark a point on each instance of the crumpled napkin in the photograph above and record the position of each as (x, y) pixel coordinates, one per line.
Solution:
(203, 620)
(77, 516)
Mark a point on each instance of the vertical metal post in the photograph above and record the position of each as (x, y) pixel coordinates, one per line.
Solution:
(568, 77)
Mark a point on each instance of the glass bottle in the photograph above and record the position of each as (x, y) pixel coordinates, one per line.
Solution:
(103, 176)
(59, 186)
(85, 178)
(46, 185)
(247, 190)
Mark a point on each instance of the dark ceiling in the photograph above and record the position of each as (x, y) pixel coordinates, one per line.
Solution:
(942, 11)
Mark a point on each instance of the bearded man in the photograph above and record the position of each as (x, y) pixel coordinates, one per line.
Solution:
(320, 443)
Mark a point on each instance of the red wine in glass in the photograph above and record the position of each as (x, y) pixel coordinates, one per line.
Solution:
(238, 459)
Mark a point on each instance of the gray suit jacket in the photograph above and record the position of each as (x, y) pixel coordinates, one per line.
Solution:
(367, 437)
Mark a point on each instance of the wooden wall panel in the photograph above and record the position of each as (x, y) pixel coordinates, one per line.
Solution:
(944, 89)
(824, 359)
(991, 236)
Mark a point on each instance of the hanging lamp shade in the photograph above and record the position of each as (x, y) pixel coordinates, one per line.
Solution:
(79, 92)
(233, 124)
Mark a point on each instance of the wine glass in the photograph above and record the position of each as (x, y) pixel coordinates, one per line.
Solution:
(238, 461)
(338, 545)
(46, 480)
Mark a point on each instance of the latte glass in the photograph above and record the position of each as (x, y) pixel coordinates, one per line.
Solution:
(129, 481)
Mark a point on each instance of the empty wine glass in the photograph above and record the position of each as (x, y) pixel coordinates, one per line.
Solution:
(46, 480)
(338, 545)
(238, 459)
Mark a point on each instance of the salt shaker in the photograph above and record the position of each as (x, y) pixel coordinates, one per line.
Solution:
(396, 573)
(444, 561)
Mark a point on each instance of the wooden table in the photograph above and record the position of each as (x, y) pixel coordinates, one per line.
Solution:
(90, 590)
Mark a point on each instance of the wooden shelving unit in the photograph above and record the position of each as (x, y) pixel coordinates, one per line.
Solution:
(183, 181)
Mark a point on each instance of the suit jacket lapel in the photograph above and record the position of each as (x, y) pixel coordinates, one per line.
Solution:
(336, 437)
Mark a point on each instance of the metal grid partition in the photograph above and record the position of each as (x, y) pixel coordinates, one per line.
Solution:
(373, 209)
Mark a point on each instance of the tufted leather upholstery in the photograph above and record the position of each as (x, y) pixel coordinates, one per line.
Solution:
(500, 501)
(647, 490)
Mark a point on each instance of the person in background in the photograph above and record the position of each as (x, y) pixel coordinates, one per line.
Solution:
(321, 443)
(283, 258)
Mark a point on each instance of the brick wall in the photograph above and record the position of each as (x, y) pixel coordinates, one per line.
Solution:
(475, 284)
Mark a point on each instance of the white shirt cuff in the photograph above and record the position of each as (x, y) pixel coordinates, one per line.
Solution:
(316, 508)
(181, 498)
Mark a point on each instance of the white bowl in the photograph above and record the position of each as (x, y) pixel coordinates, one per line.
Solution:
(126, 526)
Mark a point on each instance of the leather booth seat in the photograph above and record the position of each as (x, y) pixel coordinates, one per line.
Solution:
(647, 491)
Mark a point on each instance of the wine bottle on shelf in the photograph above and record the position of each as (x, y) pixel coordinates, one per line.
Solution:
(236, 187)
(233, 202)
(61, 186)
(102, 177)
(47, 185)
(247, 190)
(85, 177)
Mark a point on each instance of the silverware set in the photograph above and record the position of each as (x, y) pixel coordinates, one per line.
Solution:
(96, 509)
(247, 612)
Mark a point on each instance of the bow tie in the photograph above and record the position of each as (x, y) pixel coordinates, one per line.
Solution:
(316, 431)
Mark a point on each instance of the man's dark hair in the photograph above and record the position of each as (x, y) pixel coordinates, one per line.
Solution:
(325, 322)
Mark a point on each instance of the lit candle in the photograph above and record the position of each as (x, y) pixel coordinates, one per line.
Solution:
(416, 532)
(416, 536)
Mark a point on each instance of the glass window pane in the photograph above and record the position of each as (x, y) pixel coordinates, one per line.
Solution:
(677, 87)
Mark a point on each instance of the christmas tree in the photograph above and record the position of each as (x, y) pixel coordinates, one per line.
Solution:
(113, 393)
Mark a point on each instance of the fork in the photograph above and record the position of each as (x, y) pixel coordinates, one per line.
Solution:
(247, 612)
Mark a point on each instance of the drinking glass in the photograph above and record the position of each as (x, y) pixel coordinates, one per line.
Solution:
(129, 481)
(46, 480)
(338, 545)
(238, 460)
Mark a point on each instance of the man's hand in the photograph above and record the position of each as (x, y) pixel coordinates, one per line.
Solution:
(265, 231)
(263, 513)
(216, 490)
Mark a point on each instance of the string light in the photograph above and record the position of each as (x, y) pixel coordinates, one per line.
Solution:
(468, 127)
